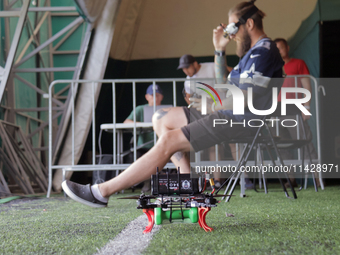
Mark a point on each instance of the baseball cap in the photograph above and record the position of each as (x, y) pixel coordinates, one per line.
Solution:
(185, 61)
(149, 90)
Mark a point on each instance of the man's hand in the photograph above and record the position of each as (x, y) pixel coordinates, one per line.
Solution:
(219, 41)
(186, 98)
(197, 104)
(211, 106)
(218, 106)
(227, 103)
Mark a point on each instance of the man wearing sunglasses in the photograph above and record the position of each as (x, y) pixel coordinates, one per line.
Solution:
(178, 133)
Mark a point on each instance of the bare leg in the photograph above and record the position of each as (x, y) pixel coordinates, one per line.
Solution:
(146, 165)
(165, 120)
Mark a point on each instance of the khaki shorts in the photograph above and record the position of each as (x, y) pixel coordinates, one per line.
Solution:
(202, 134)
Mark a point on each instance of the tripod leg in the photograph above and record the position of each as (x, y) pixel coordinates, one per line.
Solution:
(233, 186)
(262, 173)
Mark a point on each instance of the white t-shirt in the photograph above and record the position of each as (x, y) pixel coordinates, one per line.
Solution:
(207, 70)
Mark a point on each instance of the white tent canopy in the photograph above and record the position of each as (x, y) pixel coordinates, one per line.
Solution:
(150, 29)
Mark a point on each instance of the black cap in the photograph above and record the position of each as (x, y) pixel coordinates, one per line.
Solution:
(185, 61)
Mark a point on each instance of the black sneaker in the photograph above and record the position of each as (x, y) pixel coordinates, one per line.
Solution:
(81, 194)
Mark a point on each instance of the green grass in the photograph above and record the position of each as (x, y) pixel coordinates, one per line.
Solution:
(263, 224)
(61, 226)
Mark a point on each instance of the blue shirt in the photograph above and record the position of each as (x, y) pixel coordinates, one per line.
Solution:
(261, 63)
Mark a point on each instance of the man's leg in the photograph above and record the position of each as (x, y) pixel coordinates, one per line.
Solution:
(171, 140)
(165, 120)
(146, 165)
(140, 170)
(201, 135)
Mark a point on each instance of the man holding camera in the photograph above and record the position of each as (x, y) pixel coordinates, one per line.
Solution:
(177, 132)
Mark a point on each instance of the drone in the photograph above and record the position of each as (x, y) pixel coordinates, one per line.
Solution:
(176, 198)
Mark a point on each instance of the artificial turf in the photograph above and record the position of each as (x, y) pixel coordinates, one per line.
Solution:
(59, 225)
(263, 224)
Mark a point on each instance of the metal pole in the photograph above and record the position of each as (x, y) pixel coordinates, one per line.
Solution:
(154, 105)
(14, 46)
(174, 93)
(134, 121)
(297, 126)
(93, 128)
(318, 128)
(114, 122)
(50, 126)
(72, 108)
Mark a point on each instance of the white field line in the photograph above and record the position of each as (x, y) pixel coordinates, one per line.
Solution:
(131, 240)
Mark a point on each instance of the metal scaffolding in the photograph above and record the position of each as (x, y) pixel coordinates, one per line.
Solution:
(29, 65)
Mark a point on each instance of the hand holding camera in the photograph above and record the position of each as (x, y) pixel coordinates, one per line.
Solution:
(219, 41)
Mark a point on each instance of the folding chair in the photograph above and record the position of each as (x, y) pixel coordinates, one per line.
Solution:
(260, 142)
(250, 142)
(293, 143)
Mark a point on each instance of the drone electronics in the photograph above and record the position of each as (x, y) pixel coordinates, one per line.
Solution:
(232, 28)
(178, 198)
(173, 184)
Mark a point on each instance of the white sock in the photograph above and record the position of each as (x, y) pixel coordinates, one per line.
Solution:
(96, 193)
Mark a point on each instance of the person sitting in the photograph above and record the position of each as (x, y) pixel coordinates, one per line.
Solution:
(195, 70)
(179, 132)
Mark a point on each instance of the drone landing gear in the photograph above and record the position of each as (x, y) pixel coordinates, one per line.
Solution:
(202, 213)
(151, 217)
(159, 215)
(178, 200)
